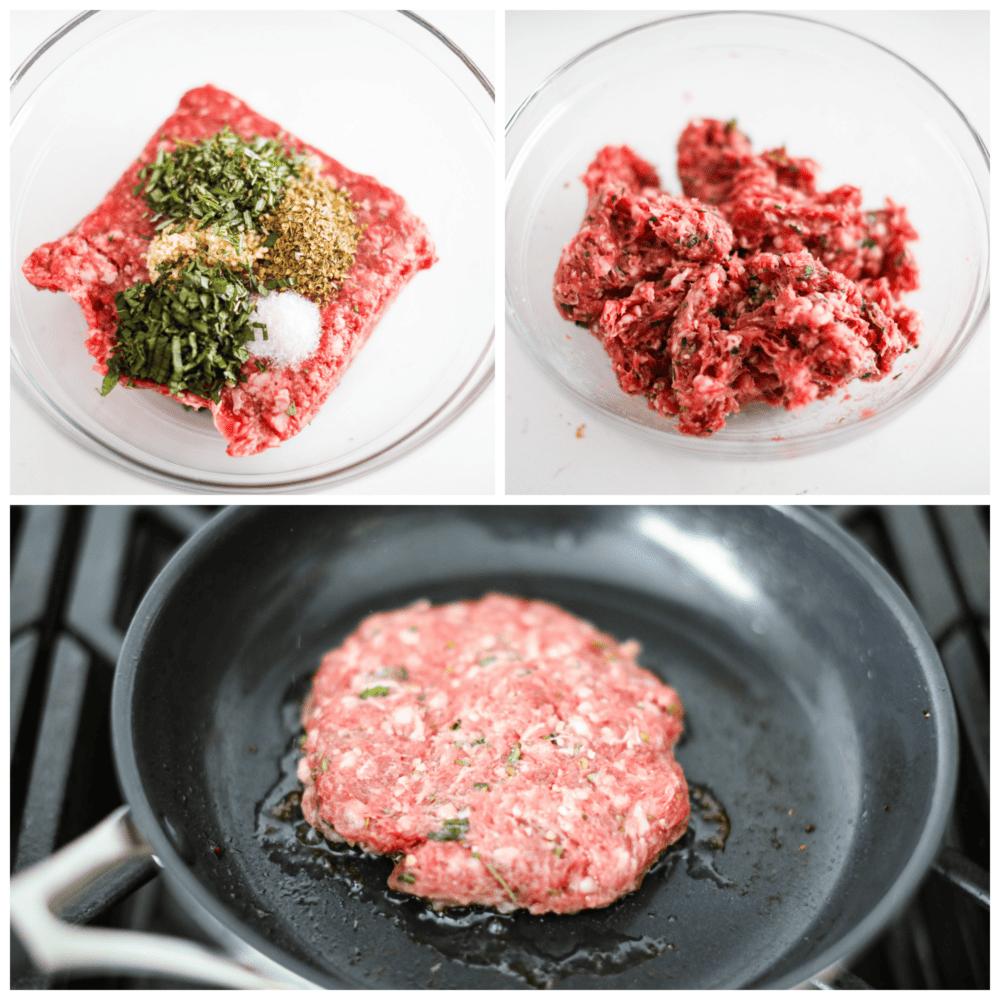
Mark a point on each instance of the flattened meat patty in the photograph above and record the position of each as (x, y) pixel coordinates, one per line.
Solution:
(507, 753)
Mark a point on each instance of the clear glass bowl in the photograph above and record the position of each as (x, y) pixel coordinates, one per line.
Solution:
(381, 91)
(882, 126)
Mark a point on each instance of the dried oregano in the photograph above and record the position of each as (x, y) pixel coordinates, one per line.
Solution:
(311, 238)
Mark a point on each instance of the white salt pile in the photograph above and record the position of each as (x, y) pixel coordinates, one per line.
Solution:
(293, 325)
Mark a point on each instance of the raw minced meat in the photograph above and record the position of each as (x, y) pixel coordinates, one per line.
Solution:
(506, 752)
(751, 286)
(106, 252)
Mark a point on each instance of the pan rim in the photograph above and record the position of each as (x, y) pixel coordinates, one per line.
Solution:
(831, 535)
(942, 710)
(205, 907)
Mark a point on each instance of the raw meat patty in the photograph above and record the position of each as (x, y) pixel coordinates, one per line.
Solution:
(508, 753)
(104, 255)
(752, 286)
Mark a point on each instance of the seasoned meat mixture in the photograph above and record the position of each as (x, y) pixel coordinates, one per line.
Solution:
(752, 286)
(503, 751)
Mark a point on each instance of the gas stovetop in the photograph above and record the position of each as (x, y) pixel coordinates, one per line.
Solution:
(79, 573)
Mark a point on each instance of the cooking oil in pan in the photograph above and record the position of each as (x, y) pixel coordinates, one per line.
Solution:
(538, 950)
(699, 848)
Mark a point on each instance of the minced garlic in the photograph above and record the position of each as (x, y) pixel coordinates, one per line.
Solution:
(166, 249)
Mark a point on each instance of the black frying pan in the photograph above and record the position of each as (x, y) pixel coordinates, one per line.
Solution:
(813, 698)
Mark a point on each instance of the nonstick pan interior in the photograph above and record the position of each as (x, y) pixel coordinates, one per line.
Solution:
(817, 715)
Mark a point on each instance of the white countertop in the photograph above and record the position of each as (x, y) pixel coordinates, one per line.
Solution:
(938, 446)
(459, 460)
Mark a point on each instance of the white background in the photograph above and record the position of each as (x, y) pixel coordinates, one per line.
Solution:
(938, 446)
(458, 460)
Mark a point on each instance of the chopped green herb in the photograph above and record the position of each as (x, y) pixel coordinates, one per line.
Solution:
(291, 410)
(481, 786)
(515, 754)
(454, 829)
(586, 253)
(868, 244)
(280, 282)
(499, 878)
(407, 878)
(188, 331)
(223, 181)
(580, 322)
(261, 367)
(379, 691)
(457, 724)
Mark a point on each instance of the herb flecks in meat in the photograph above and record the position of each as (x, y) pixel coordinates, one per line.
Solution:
(454, 829)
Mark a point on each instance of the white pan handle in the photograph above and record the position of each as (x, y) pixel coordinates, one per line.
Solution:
(54, 946)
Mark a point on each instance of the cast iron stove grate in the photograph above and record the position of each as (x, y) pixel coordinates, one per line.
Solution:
(79, 573)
